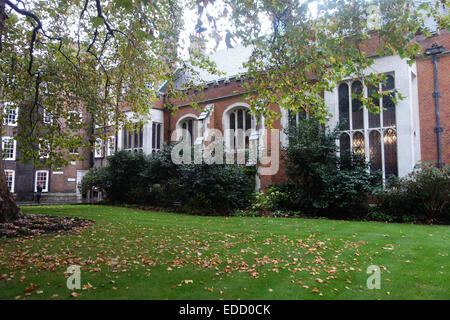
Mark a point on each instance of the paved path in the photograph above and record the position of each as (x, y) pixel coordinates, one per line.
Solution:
(46, 203)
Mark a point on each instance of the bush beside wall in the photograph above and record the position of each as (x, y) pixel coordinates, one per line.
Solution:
(423, 196)
(321, 183)
(136, 178)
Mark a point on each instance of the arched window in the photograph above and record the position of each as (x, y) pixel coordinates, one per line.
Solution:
(240, 123)
(188, 129)
(344, 104)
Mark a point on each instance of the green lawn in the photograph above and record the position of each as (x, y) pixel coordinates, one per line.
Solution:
(132, 254)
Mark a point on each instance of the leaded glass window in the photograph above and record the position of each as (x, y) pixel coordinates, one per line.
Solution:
(371, 135)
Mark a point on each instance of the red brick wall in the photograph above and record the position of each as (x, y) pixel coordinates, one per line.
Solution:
(229, 94)
(427, 103)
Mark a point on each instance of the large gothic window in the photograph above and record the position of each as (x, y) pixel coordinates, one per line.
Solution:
(371, 135)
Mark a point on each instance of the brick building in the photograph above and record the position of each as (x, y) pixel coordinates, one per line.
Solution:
(58, 184)
(395, 140)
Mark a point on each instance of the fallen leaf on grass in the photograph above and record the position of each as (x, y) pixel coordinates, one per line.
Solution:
(31, 287)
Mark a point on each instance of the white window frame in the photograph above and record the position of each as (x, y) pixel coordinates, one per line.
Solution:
(149, 85)
(111, 148)
(13, 179)
(77, 113)
(14, 144)
(43, 155)
(47, 117)
(98, 148)
(44, 188)
(8, 107)
(111, 119)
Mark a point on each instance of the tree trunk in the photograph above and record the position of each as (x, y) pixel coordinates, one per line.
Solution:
(9, 211)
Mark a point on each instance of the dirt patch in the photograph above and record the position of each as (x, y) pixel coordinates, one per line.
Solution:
(35, 224)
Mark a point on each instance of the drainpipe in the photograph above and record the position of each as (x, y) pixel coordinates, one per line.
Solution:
(169, 127)
(434, 51)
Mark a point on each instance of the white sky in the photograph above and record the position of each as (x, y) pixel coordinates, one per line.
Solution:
(190, 19)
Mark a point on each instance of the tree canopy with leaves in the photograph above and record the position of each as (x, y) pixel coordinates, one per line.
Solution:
(64, 59)
(303, 48)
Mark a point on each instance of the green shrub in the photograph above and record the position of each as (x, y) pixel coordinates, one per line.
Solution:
(261, 201)
(376, 215)
(216, 188)
(423, 196)
(122, 180)
(125, 174)
(247, 213)
(319, 181)
(94, 178)
(156, 180)
(284, 214)
(161, 169)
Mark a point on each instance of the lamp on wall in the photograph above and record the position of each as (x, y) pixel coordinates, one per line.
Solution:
(434, 53)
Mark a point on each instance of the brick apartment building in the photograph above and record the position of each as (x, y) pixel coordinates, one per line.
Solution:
(397, 139)
(59, 184)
